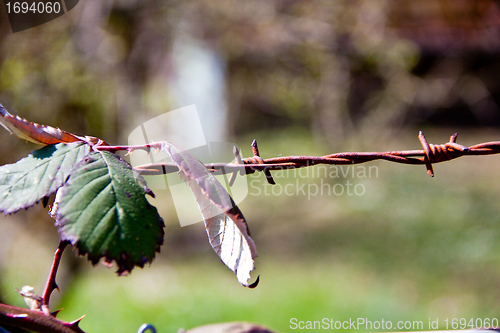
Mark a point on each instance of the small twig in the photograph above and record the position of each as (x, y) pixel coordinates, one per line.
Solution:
(30, 298)
(51, 280)
(146, 147)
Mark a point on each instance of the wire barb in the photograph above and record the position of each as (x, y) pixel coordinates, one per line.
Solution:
(258, 160)
(428, 153)
(440, 153)
(237, 156)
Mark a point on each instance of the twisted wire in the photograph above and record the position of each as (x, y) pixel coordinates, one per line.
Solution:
(431, 154)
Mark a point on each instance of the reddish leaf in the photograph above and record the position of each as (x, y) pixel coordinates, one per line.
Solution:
(36, 133)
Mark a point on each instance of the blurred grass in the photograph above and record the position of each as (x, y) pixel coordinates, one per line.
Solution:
(410, 248)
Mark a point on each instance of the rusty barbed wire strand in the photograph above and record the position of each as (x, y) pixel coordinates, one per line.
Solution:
(430, 154)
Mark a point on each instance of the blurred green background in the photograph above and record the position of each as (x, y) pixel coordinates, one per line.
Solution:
(303, 78)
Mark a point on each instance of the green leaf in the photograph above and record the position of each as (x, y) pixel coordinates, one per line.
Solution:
(226, 227)
(38, 175)
(103, 211)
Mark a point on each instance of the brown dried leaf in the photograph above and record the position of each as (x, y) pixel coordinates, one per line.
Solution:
(33, 132)
(226, 227)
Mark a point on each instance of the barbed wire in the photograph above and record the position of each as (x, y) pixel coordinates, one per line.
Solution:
(429, 155)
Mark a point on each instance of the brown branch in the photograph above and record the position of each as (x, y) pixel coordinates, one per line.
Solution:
(35, 320)
(41, 320)
(429, 155)
(113, 149)
(51, 280)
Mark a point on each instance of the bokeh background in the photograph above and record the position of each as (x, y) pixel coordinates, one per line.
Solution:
(303, 78)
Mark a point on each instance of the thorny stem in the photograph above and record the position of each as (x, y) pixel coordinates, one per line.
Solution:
(146, 147)
(51, 280)
(35, 320)
(41, 321)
